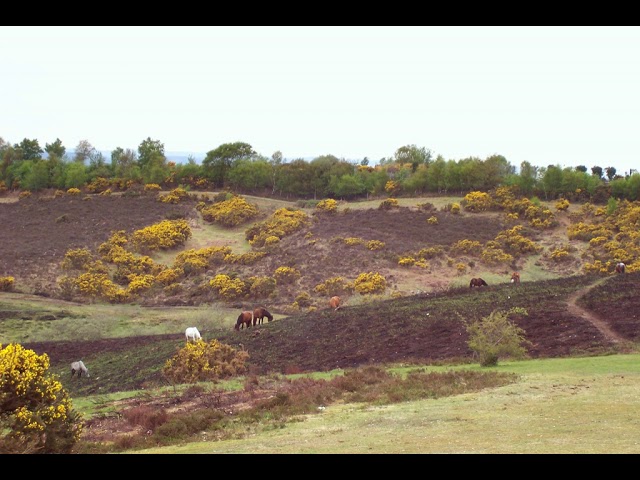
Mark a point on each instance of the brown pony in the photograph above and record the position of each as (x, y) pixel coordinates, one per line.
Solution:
(477, 282)
(335, 302)
(515, 277)
(620, 267)
(245, 318)
(259, 314)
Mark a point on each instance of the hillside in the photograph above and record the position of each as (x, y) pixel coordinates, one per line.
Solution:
(419, 318)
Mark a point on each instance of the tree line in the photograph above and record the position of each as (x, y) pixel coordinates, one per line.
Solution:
(411, 171)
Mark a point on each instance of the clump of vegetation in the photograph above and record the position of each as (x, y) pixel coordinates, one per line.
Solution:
(388, 204)
(228, 288)
(6, 284)
(477, 202)
(36, 413)
(163, 235)
(371, 282)
(285, 275)
(284, 221)
(334, 286)
(328, 205)
(230, 213)
(200, 361)
(494, 336)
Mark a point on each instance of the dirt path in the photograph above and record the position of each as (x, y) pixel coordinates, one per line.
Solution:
(597, 322)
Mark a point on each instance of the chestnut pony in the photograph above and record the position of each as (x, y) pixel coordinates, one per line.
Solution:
(259, 314)
(620, 267)
(244, 319)
(335, 302)
(477, 282)
(515, 277)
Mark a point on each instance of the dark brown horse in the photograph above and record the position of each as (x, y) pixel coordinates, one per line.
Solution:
(259, 314)
(515, 277)
(477, 282)
(244, 319)
(620, 267)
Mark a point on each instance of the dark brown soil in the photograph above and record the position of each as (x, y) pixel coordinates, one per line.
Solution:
(36, 232)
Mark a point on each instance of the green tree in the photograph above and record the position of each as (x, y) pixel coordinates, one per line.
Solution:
(495, 336)
(250, 174)
(75, 175)
(29, 149)
(295, 178)
(581, 168)
(597, 171)
(36, 413)
(124, 162)
(55, 149)
(611, 172)
(217, 163)
(347, 186)
(551, 181)
(276, 162)
(413, 155)
(38, 177)
(149, 150)
(98, 167)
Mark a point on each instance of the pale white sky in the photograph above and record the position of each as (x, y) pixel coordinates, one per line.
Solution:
(548, 95)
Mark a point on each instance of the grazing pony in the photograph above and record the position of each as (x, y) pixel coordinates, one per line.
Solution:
(620, 267)
(477, 282)
(192, 333)
(259, 314)
(244, 319)
(79, 368)
(335, 302)
(515, 277)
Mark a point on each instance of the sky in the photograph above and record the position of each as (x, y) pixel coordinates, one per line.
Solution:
(554, 95)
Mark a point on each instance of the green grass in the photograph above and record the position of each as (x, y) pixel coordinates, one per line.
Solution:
(99, 320)
(561, 406)
(438, 202)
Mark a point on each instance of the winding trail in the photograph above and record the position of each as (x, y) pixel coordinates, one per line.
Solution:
(597, 322)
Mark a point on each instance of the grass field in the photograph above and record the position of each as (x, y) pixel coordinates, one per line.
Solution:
(558, 406)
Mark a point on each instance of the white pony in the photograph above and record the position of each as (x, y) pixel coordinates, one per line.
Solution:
(192, 333)
(79, 368)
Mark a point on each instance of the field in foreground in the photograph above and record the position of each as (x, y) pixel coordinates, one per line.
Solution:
(558, 406)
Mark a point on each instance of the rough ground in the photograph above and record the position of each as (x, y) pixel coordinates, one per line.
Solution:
(569, 315)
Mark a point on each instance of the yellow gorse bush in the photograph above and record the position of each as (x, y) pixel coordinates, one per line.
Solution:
(34, 407)
(388, 204)
(375, 245)
(466, 247)
(228, 288)
(477, 202)
(163, 235)
(230, 213)
(328, 205)
(205, 361)
(6, 284)
(334, 286)
(406, 261)
(286, 275)
(371, 282)
(283, 222)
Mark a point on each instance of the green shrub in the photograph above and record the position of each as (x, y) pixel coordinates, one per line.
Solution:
(494, 336)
